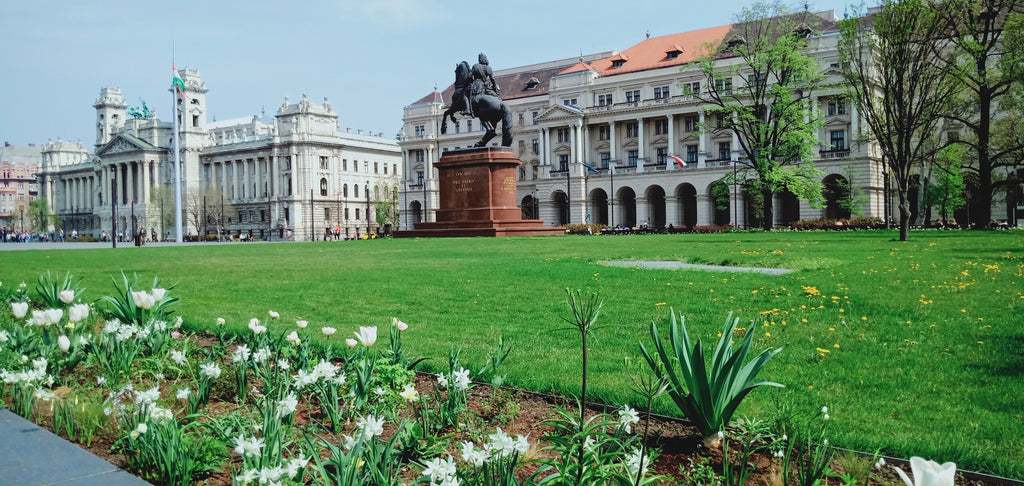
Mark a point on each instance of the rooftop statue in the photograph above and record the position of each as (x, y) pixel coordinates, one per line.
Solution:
(476, 96)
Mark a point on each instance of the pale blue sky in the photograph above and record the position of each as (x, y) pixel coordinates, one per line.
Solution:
(370, 58)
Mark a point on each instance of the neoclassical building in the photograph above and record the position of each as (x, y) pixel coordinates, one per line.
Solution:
(595, 133)
(295, 173)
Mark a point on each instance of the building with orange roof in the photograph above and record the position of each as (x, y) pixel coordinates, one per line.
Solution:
(599, 137)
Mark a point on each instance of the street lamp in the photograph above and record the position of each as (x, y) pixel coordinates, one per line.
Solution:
(113, 208)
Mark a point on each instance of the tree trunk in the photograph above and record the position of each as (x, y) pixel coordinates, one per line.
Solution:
(769, 210)
(904, 216)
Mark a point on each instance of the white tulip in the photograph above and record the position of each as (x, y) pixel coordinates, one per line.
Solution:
(19, 309)
(328, 331)
(275, 315)
(158, 294)
(66, 296)
(351, 343)
(928, 473)
(301, 324)
(64, 343)
(53, 316)
(293, 338)
(78, 312)
(367, 335)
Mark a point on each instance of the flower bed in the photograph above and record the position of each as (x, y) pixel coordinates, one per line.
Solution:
(268, 407)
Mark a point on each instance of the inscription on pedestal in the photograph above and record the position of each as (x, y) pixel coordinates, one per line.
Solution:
(463, 181)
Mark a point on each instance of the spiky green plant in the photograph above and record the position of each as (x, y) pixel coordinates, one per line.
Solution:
(708, 397)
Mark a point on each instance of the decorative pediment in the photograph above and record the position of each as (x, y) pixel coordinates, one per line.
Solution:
(602, 146)
(121, 144)
(562, 148)
(837, 122)
(631, 143)
(660, 139)
(560, 112)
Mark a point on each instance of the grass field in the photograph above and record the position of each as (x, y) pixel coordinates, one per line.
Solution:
(916, 347)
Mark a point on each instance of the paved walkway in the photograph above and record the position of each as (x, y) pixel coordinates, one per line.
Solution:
(674, 265)
(94, 245)
(32, 456)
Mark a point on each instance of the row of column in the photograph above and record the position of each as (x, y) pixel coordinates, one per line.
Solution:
(248, 179)
(580, 137)
(78, 193)
(134, 181)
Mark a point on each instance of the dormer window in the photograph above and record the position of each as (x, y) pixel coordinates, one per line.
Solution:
(532, 84)
(673, 52)
(617, 63)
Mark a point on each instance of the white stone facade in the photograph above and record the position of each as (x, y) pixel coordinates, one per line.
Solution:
(584, 115)
(288, 176)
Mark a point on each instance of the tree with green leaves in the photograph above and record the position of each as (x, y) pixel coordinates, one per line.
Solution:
(770, 112)
(984, 53)
(887, 60)
(946, 187)
(39, 216)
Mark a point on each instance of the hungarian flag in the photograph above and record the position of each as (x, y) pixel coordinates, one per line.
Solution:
(678, 161)
(179, 84)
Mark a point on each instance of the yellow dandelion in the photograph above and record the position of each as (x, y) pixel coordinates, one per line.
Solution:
(768, 334)
(810, 387)
(660, 303)
(863, 318)
(836, 345)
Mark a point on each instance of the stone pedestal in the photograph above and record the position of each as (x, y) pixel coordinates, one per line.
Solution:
(478, 197)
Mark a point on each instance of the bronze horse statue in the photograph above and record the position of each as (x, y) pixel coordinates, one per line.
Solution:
(490, 109)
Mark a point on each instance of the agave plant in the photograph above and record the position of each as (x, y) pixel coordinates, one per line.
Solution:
(708, 397)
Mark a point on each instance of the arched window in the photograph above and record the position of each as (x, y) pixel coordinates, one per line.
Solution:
(344, 190)
(323, 187)
(355, 187)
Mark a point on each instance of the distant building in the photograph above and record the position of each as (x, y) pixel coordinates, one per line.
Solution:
(292, 174)
(577, 119)
(18, 167)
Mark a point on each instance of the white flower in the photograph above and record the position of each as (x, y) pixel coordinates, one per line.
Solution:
(178, 357)
(38, 318)
(303, 379)
(928, 473)
(399, 324)
(183, 393)
(293, 338)
(500, 442)
(78, 312)
(63, 343)
(159, 413)
(367, 335)
(633, 461)
(522, 444)
(283, 364)
(44, 395)
(66, 296)
(461, 379)
(250, 447)
(288, 404)
(100, 380)
(4, 336)
(210, 370)
(261, 355)
(824, 409)
(371, 426)
(158, 294)
(409, 393)
(247, 476)
(628, 417)
(220, 321)
(254, 324)
(442, 380)
(82, 340)
(53, 316)
(19, 309)
(274, 315)
(301, 324)
(474, 456)
(324, 370)
(825, 417)
(880, 463)
(351, 342)
(143, 299)
(148, 396)
(440, 469)
(241, 353)
(293, 465)
(328, 331)
(379, 391)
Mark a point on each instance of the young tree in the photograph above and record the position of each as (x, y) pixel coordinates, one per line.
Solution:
(770, 112)
(887, 61)
(203, 209)
(986, 58)
(946, 187)
(39, 217)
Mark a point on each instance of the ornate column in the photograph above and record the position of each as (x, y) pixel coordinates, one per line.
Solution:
(672, 141)
(145, 182)
(702, 152)
(611, 142)
(132, 184)
(641, 146)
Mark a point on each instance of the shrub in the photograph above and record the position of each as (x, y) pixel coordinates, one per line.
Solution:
(584, 229)
(707, 397)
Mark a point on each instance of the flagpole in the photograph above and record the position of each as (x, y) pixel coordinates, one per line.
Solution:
(177, 169)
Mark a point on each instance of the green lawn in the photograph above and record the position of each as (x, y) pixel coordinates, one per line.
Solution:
(925, 351)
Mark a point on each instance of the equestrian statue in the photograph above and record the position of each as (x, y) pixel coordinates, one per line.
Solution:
(476, 96)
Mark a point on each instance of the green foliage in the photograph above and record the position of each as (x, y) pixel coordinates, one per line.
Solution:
(947, 187)
(163, 452)
(708, 397)
(769, 110)
(700, 473)
(48, 290)
(123, 307)
(40, 217)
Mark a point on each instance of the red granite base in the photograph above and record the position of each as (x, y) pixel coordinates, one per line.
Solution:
(478, 198)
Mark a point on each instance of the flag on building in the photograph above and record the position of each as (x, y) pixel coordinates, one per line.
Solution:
(590, 168)
(179, 84)
(678, 161)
